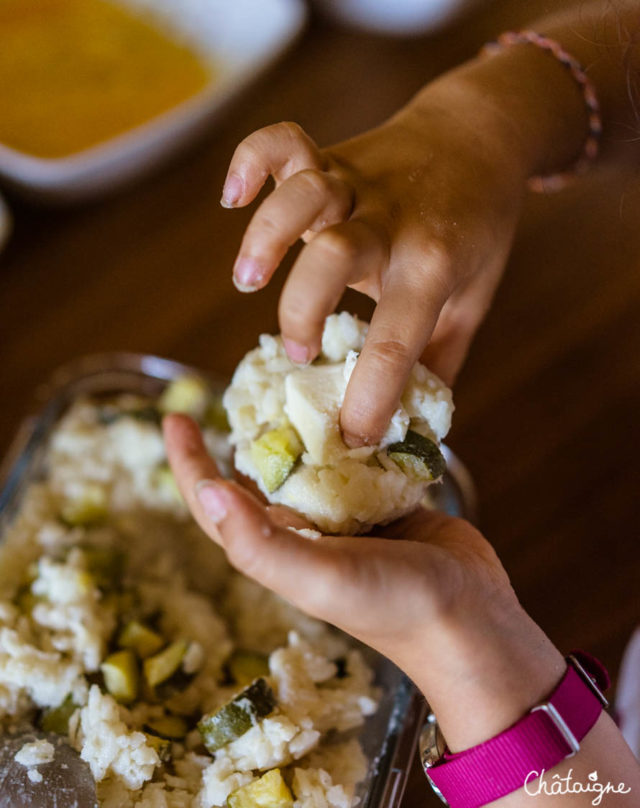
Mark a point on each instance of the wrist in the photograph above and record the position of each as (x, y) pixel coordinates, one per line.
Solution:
(530, 102)
(541, 740)
(481, 675)
(477, 125)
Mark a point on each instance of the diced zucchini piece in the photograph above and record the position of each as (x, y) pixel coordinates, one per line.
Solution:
(56, 719)
(121, 676)
(275, 454)
(419, 457)
(237, 716)
(215, 415)
(268, 791)
(106, 565)
(162, 666)
(88, 509)
(161, 745)
(140, 638)
(169, 726)
(187, 394)
(245, 666)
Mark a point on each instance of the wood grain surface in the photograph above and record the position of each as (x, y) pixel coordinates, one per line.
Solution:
(548, 403)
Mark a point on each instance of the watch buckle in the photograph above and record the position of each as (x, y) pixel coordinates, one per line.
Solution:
(561, 725)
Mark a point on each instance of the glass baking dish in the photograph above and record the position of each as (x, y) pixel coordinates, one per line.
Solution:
(390, 736)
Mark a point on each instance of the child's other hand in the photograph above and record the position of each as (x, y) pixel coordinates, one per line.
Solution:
(428, 592)
(418, 214)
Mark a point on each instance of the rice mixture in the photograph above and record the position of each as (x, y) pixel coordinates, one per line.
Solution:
(286, 432)
(180, 682)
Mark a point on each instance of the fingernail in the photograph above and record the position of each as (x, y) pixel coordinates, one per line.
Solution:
(296, 352)
(247, 274)
(232, 191)
(353, 441)
(212, 500)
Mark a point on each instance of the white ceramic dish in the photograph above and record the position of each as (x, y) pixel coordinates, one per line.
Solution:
(399, 17)
(242, 37)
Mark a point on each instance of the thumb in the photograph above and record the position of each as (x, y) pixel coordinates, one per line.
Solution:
(305, 572)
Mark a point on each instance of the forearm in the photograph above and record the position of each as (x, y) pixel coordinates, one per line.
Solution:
(487, 676)
(531, 104)
(605, 756)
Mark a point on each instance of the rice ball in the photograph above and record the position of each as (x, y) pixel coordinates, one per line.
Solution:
(285, 429)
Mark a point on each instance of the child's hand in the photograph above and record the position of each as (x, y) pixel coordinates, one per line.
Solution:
(428, 592)
(417, 214)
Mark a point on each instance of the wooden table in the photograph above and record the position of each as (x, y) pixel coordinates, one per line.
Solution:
(548, 403)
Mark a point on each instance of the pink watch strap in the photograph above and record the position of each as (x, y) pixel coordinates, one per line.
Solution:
(540, 740)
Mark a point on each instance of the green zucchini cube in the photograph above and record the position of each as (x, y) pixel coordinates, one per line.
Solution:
(420, 458)
(275, 454)
(121, 675)
(237, 716)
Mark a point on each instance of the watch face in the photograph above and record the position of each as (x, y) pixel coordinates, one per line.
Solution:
(432, 746)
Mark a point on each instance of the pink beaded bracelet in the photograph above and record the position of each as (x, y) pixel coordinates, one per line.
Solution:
(556, 182)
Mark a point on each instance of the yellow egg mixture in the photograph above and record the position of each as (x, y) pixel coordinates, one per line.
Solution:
(74, 73)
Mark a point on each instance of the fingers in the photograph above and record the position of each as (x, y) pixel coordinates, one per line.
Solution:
(303, 571)
(460, 319)
(280, 150)
(426, 526)
(400, 328)
(360, 584)
(451, 339)
(446, 352)
(351, 581)
(306, 201)
(190, 462)
(271, 554)
(282, 516)
(340, 255)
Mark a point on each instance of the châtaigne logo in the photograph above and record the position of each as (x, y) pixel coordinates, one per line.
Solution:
(567, 785)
